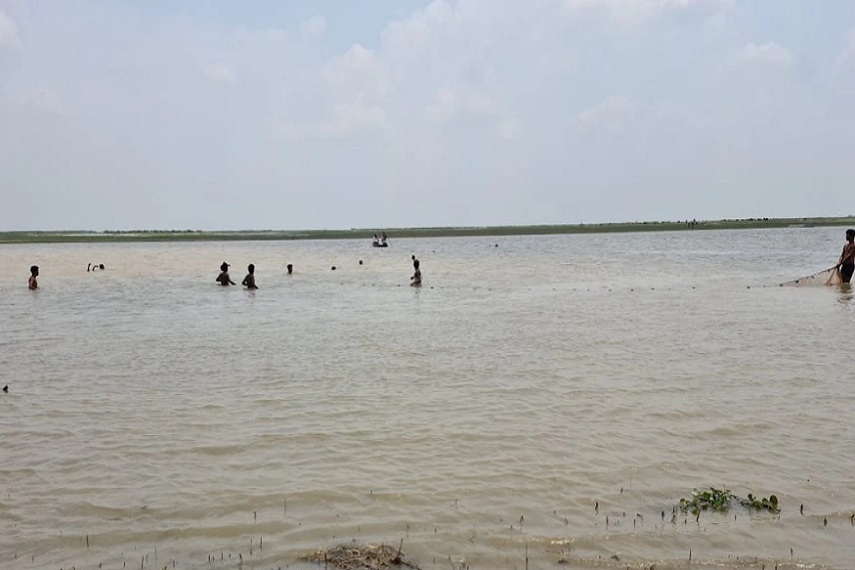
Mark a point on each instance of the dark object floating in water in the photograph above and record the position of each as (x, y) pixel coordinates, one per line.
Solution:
(6, 389)
(354, 556)
(333, 268)
(376, 244)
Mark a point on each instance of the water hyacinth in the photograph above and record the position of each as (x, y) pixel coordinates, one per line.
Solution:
(719, 500)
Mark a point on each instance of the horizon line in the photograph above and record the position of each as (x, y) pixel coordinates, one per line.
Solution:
(754, 219)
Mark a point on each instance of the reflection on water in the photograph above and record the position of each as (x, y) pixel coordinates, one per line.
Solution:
(552, 398)
(845, 293)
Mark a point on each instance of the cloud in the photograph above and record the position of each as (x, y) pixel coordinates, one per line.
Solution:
(313, 27)
(221, 73)
(770, 54)
(635, 9)
(349, 117)
(449, 106)
(846, 57)
(40, 100)
(456, 112)
(8, 32)
(613, 113)
(359, 73)
(444, 106)
(349, 94)
(446, 55)
(344, 120)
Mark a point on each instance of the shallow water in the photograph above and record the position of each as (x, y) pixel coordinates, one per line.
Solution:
(480, 418)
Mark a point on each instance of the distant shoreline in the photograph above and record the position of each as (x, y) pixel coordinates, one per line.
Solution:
(367, 234)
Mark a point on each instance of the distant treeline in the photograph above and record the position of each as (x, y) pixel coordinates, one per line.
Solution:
(365, 233)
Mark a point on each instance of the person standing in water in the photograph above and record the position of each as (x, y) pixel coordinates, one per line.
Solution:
(416, 279)
(249, 280)
(223, 278)
(33, 282)
(846, 263)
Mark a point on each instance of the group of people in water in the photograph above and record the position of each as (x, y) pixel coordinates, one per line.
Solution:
(249, 281)
(33, 282)
(380, 242)
(223, 278)
(845, 265)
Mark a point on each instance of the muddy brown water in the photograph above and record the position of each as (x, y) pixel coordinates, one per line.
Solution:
(481, 418)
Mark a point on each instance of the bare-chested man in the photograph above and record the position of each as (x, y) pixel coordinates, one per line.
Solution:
(223, 278)
(249, 280)
(33, 282)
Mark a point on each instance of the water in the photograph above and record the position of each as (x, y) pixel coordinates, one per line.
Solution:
(481, 417)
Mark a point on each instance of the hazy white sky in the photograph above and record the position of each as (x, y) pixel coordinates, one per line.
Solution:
(388, 113)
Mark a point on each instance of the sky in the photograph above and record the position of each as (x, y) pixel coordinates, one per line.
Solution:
(275, 114)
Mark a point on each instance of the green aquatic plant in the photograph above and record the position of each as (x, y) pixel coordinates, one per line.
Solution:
(717, 500)
(762, 504)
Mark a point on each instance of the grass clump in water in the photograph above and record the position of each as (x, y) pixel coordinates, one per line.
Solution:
(355, 556)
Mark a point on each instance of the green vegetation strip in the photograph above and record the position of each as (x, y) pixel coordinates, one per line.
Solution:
(720, 500)
(393, 233)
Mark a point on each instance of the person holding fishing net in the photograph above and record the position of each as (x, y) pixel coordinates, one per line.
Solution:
(839, 274)
(846, 264)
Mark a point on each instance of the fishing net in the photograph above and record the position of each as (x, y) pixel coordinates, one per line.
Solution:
(830, 276)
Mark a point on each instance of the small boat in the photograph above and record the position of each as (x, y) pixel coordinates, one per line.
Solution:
(378, 244)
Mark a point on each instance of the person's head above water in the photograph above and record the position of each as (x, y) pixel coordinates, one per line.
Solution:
(416, 263)
(101, 266)
(224, 266)
(290, 268)
(850, 234)
(34, 270)
(250, 268)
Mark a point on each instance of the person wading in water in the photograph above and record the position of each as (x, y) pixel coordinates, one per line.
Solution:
(223, 278)
(846, 264)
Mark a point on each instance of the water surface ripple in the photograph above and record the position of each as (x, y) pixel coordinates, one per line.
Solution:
(168, 420)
